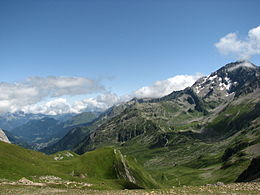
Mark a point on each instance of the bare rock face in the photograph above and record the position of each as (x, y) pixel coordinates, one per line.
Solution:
(3, 137)
(252, 173)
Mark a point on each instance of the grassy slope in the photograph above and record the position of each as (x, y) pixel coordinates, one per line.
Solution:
(16, 162)
(99, 167)
(83, 118)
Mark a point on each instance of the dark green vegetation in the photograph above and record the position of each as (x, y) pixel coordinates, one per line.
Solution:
(78, 130)
(81, 119)
(70, 140)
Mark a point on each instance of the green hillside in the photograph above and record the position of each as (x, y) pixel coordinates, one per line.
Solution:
(69, 141)
(105, 168)
(82, 118)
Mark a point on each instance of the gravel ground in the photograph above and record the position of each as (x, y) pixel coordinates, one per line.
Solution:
(229, 189)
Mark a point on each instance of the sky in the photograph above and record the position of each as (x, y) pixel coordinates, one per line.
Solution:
(59, 56)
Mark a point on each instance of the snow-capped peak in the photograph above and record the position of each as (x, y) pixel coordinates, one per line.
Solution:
(233, 78)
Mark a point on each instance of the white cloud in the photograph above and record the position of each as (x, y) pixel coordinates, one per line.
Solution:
(244, 49)
(58, 86)
(90, 104)
(165, 87)
(15, 96)
(101, 102)
(46, 95)
(52, 107)
(61, 105)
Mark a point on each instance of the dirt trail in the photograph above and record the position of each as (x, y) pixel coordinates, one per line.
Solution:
(230, 189)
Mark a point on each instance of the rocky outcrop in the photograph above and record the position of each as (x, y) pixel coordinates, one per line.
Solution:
(3, 137)
(252, 172)
(123, 169)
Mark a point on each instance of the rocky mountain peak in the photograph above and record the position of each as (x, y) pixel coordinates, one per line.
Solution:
(232, 79)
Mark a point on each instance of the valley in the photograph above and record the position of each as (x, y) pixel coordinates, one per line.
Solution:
(204, 135)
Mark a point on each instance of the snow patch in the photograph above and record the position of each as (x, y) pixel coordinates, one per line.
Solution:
(213, 77)
(204, 80)
(228, 85)
(199, 88)
(226, 79)
(229, 94)
(224, 86)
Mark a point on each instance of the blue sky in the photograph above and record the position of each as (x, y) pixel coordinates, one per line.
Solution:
(124, 44)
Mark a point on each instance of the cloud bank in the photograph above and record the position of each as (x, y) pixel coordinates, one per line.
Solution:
(165, 87)
(14, 96)
(51, 95)
(62, 105)
(243, 49)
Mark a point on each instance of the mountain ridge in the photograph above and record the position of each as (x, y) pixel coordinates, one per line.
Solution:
(215, 94)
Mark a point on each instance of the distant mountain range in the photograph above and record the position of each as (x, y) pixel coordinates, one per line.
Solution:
(9, 121)
(37, 130)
